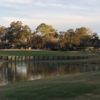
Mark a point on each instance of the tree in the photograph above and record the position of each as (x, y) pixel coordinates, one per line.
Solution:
(37, 42)
(45, 36)
(12, 32)
(71, 36)
(83, 36)
(24, 37)
(95, 40)
(2, 31)
(18, 34)
(45, 29)
(82, 32)
(48, 34)
(67, 39)
(62, 40)
(2, 34)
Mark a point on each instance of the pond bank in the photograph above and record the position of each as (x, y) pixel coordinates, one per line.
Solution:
(12, 55)
(72, 87)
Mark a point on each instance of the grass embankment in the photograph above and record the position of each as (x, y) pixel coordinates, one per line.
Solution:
(44, 55)
(41, 53)
(74, 87)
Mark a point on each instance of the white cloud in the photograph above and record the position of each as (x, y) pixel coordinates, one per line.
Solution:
(50, 4)
(16, 1)
(58, 22)
(55, 20)
(90, 1)
(54, 12)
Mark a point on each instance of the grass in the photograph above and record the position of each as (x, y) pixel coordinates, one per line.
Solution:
(41, 53)
(70, 56)
(72, 87)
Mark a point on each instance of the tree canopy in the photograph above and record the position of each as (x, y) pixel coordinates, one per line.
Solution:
(45, 36)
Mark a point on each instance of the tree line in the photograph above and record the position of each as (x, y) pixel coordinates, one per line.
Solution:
(18, 36)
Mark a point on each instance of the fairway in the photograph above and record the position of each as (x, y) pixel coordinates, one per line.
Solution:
(43, 53)
(67, 87)
(72, 87)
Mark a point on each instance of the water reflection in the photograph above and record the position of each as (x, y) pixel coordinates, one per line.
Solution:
(18, 71)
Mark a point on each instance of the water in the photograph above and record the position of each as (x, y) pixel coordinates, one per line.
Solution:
(21, 71)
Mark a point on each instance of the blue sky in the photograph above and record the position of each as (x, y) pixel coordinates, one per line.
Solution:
(61, 14)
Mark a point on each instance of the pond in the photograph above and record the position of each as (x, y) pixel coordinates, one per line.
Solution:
(22, 71)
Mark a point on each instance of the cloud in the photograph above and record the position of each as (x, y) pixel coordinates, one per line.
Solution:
(55, 12)
(90, 1)
(16, 1)
(46, 4)
(53, 20)
(61, 23)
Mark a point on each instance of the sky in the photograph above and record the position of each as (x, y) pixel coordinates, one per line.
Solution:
(61, 14)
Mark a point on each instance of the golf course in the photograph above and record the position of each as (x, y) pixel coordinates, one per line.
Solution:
(49, 50)
(72, 87)
(77, 86)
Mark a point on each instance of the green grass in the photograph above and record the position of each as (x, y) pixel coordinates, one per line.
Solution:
(70, 56)
(41, 53)
(58, 88)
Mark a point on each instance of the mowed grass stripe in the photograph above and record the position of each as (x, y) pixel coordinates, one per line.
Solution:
(41, 53)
